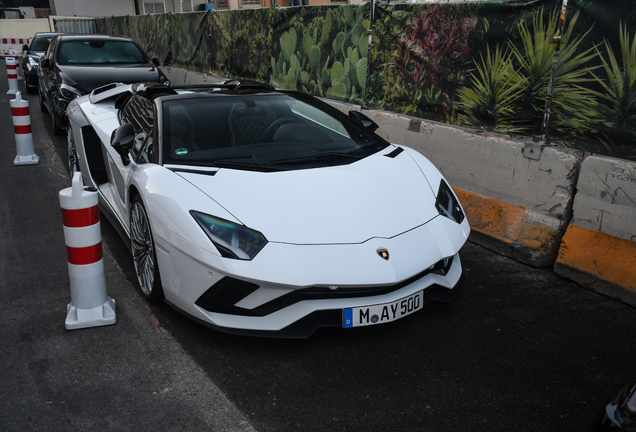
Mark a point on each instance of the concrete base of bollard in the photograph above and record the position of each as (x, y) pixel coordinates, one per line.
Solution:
(12, 91)
(26, 160)
(84, 318)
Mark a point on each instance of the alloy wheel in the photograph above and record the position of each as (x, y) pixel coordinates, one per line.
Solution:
(142, 248)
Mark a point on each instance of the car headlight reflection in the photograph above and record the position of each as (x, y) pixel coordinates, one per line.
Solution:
(68, 92)
(447, 204)
(232, 240)
(32, 64)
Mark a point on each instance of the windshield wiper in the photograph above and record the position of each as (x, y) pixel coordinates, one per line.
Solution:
(244, 165)
(313, 157)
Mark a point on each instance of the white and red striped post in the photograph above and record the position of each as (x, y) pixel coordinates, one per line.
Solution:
(18, 63)
(90, 305)
(12, 75)
(22, 129)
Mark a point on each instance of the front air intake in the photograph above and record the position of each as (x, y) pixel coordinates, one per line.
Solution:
(223, 295)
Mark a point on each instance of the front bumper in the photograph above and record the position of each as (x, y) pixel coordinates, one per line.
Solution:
(31, 79)
(309, 324)
(291, 290)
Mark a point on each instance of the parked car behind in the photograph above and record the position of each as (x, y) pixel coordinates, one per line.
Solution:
(31, 55)
(76, 64)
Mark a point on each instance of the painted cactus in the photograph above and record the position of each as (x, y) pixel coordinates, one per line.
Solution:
(327, 51)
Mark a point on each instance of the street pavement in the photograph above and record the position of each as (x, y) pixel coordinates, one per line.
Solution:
(519, 349)
(131, 376)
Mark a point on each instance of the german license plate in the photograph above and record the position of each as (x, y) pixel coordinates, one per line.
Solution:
(382, 313)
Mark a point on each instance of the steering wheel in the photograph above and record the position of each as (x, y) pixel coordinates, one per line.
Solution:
(271, 130)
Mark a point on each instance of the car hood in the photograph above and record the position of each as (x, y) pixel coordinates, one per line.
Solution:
(378, 196)
(88, 78)
(35, 55)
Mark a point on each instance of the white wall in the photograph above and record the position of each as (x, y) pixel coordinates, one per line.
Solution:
(92, 8)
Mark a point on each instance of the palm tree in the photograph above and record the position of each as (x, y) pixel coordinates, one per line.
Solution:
(618, 112)
(572, 106)
(490, 103)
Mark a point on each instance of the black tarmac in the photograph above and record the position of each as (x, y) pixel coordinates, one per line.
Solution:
(519, 349)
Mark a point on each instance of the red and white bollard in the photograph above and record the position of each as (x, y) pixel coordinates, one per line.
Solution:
(12, 75)
(22, 129)
(90, 305)
(18, 64)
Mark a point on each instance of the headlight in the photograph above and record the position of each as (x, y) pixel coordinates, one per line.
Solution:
(447, 204)
(232, 240)
(68, 92)
(32, 64)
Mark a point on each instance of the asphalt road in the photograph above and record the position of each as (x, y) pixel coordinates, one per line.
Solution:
(519, 349)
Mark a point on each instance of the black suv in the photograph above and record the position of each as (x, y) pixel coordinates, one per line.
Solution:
(75, 64)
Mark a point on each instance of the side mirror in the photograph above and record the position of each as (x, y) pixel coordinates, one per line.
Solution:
(156, 61)
(45, 63)
(122, 141)
(363, 120)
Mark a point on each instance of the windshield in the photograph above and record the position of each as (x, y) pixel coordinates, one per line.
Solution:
(108, 52)
(41, 43)
(270, 131)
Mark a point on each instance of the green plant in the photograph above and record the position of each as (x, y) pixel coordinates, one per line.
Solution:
(572, 106)
(618, 108)
(490, 103)
(319, 47)
(426, 59)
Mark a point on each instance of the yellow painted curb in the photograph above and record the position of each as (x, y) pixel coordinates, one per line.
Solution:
(610, 259)
(521, 238)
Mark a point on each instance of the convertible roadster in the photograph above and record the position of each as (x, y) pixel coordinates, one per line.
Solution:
(267, 212)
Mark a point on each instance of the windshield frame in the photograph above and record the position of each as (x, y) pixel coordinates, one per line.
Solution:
(322, 146)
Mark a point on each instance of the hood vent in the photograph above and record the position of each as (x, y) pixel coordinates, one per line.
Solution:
(394, 153)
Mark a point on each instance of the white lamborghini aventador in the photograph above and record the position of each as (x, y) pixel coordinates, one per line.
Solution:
(267, 212)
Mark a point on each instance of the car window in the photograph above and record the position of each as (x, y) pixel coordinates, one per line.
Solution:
(11, 14)
(138, 111)
(40, 43)
(51, 49)
(102, 52)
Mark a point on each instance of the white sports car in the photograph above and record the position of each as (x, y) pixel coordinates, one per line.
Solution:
(267, 212)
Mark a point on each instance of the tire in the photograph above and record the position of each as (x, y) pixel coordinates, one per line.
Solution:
(143, 249)
(71, 152)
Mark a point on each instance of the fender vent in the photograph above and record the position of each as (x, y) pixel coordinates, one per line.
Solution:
(94, 156)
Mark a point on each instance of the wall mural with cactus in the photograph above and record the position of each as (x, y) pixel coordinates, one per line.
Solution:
(241, 41)
(322, 50)
(484, 65)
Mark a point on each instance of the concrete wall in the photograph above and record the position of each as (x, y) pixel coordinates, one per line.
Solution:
(536, 203)
(599, 247)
